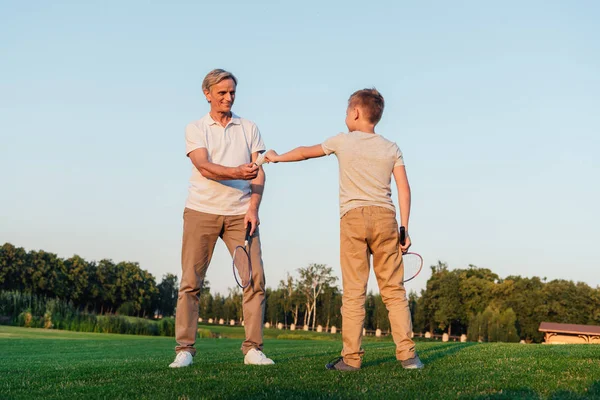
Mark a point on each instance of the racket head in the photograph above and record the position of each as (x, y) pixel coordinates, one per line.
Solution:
(242, 269)
(413, 264)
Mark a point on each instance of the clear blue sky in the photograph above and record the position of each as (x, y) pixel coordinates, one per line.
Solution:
(495, 106)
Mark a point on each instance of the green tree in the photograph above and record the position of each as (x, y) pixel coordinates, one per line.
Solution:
(287, 288)
(45, 274)
(525, 297)
(107, 275)
(78, 279)
(370, 320)
(12, 265)
(430, 296)
(418, 312)
(313, 279)
(449, 306)
(476, 289)
(380, 314)
(205, 300)
(329, 304)
(218, 306)
(567, 302)
(237, 298)
(274, 312)
(508, 320)
(168, 290)
(413, 305)
(442, 301)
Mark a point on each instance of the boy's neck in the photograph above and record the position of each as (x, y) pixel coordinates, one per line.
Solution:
(365, 127)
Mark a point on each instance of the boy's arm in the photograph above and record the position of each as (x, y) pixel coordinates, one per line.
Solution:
(298, 154)
(403, 200)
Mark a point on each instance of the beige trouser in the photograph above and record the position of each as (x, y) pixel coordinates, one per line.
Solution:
(200, 234)
(373, 231)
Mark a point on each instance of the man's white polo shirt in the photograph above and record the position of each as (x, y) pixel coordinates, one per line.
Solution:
(230, 146)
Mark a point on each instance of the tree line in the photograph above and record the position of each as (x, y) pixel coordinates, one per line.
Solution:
(473, 301)
(478, 302)
(102, 287)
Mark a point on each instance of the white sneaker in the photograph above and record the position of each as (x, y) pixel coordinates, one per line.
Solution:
(257, 357)
(182, 359)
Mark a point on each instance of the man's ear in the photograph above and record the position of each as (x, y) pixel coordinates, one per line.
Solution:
(207, 95)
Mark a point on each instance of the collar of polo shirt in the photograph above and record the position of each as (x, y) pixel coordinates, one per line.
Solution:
(235, 120)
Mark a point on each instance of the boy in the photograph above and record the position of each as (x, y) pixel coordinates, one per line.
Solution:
(368, 225)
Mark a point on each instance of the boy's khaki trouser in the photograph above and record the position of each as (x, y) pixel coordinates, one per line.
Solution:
(200, 234)
(373, 231)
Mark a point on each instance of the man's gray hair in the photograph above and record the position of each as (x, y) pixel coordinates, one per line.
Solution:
(215, 76)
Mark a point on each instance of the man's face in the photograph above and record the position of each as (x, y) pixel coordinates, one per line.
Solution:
(221, 96)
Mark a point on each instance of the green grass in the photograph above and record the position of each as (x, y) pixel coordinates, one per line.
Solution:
(37, 363)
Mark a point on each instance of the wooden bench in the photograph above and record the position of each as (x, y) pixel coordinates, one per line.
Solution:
(556, 333)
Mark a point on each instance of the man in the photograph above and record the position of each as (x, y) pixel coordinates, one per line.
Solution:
(224, 196)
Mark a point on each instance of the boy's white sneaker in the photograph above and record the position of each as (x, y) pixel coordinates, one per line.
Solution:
(257, 357)
(182, 359)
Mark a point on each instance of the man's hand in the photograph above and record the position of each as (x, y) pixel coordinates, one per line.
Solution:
(252, 218)
(247, 172)
(271, 156)
(404, 247)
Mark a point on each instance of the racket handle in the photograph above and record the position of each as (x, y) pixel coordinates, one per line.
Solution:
(402, 235)
(248, 229)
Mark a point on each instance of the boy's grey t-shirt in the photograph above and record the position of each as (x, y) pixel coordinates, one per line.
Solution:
(366, 162)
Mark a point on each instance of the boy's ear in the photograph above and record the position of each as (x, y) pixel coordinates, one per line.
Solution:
(355, 113)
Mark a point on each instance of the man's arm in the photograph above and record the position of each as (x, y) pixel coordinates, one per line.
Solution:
(403, 200)
(257, 186)
(298, 154)
(218, 172)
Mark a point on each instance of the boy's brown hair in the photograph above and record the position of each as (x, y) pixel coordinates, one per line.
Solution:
(370, 101)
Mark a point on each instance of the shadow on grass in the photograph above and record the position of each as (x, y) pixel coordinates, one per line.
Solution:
(428, 356)
(593, 392)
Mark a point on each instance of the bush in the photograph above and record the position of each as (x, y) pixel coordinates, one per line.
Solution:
(33, 311)
(127, 308)
(296, 336)
(204, 333)
(493, 326)
(25, 319)
(166, 327)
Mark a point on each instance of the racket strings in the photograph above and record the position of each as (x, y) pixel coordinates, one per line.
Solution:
(412, 265)
(242, 269)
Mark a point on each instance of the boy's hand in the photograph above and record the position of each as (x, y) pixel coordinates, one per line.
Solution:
(271, 156)
(404, 247)
(247, 172)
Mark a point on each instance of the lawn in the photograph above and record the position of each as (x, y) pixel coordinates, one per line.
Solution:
(38, 363)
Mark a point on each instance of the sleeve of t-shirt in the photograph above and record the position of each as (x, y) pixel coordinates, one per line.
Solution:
(194, 139)
(257, 142)
(332, 144)
(399, 158)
